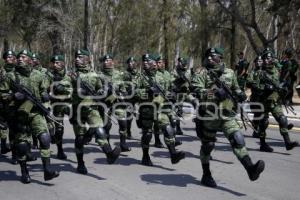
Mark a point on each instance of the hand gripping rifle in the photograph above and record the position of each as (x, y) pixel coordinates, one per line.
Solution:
(162, 92)
(281, 92)
(91, 92)
(220, 84)
(29, 96)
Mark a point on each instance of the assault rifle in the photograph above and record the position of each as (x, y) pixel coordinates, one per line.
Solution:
(220, 84)
(29, 96)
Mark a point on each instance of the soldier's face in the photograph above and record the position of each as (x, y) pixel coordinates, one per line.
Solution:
(268, 60)
(81, 60)
(214, 59)
(146, 65)
(58, 65)
(35, 62)
(160, 64)
(10, 59)
(108, 63)
(259, 62)
(24, 60)
(131, 65)
(153, 65)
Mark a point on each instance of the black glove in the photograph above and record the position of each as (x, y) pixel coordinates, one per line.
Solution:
(220, 94)
(19, 96)
(45, 97)
(153, 90)
(59, 89)
(269, 88)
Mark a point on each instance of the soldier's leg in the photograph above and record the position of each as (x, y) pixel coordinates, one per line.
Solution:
(96, 128)
(173, 122)
(145, 141)
(34, 142)
(38, 125)
(79, 147)
(3, 135)
(283, 127)
(232, 132)
(262, 127)
(59, 132)
(21, 152)
(169, 137)
(129, 122)
(122, 121)
(208, 139)
(12, 136)
(156, 133)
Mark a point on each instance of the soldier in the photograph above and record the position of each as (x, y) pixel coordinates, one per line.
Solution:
(242, 70)
(36, 63)
(266, 84)
(85, 112)
(113, 81)
(132, 76)
(60, 91)
(28, 118)
(288, 73)
(254, 98)
(152, 100)
(9, 58)
(215, 99)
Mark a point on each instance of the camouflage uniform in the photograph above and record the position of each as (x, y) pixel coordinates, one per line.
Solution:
(288, 74)
(242, 71)
(88, 113)
(27, 119)
(113, 81)
(151, 103)
(215, 100)
(60, 89)
(266, 85)
(131, 76)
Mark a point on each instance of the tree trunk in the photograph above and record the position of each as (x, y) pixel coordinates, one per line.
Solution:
(166, 20)
(86, 40)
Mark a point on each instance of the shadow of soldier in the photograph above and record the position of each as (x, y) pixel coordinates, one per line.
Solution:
(180, 180)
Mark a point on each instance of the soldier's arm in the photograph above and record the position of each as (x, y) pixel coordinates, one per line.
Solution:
(198, 82)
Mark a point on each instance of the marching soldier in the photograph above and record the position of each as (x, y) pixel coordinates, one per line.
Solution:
(28, 90)
(150, 93)
(214, 98)
(86, 112)
(242, 70)
(266, 84)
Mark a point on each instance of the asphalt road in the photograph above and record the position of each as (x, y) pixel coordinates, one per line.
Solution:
(127, 179)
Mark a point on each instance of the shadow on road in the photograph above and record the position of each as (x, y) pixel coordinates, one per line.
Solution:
(180, 180)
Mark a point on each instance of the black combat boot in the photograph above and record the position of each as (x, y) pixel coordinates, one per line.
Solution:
(264, 146)
(146, 160)
(175, 156)
(60, 151)
(123, 145)
(289, 145)
(81, 169)
(111, 155)
(157, 143)
(48, 174)
(4, 148)
(25, 178)
(207, 178)
(253, 170)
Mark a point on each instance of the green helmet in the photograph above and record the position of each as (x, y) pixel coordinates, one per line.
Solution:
(82, 52)
(25, 52)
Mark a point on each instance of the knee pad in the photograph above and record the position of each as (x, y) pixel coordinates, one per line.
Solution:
(45, 140)
(282, 121)
(168, 131)
(207, 147)
(22, 149)
(237, 140)
(100, 133)
(79, 142)
(122, 125)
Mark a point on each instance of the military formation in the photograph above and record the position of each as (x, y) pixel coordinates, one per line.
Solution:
(34, 101)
